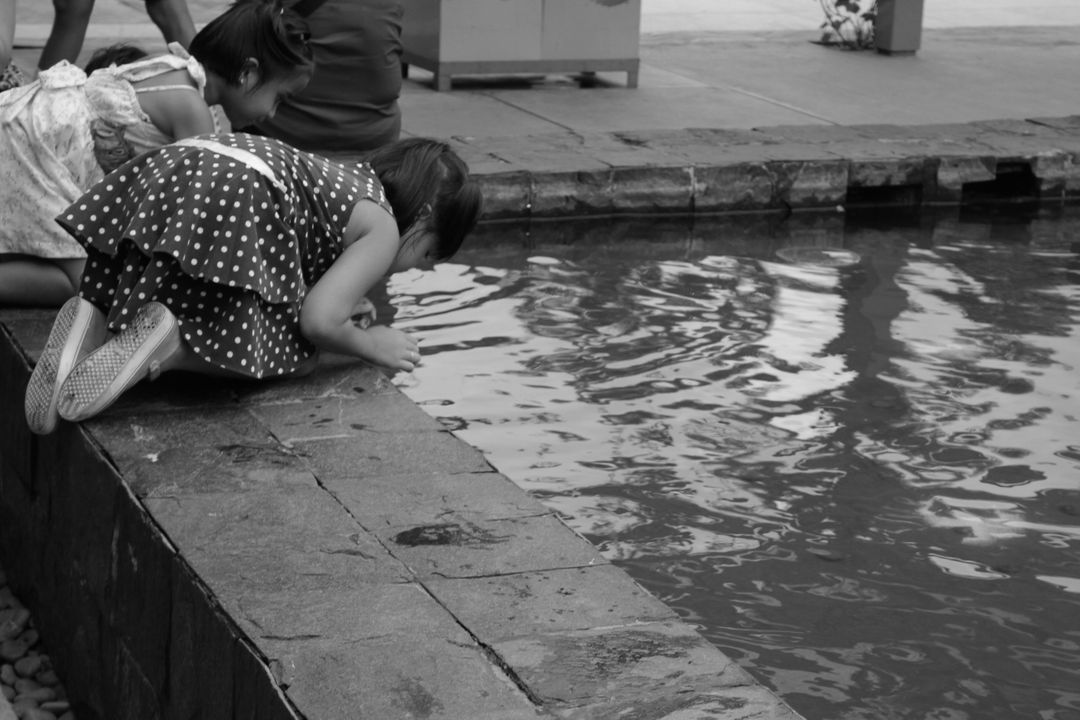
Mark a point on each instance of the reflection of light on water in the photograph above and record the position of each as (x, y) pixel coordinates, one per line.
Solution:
(784, 437)
(1068, 584)
(980, 521)
(965, 568)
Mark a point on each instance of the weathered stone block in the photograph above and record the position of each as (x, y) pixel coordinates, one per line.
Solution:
(560, 194)
(334, 376)
(258, 695)
(495, 547)
(652, 190)
(17, 444)
(372, 453)
(176, 471)
(888, 172)
(1058, 173)
(526, 604)
(507, 194)
(343, 417)
(953, 172)
(251, 542)
(134, 696)
(201, 646)
(621, 667)
(431, 498)
(140, 597)
(813, 183)
(741, 186)
(423, 671)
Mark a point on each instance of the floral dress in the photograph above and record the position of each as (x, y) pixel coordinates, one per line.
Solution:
(229, 232)
(54, 135)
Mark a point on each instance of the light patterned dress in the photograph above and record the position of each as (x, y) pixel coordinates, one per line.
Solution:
(229, 232)
(48, 155)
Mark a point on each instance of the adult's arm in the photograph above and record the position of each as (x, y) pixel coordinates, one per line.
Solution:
(7, 31)
(173, 19)
(70, 20)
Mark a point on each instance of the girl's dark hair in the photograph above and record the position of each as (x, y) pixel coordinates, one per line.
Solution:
(421, 175)
(118, 54)
(262, 29)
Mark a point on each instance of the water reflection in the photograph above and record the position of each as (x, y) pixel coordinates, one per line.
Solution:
(858, 477)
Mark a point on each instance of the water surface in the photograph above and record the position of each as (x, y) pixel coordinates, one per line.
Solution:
(856, 471)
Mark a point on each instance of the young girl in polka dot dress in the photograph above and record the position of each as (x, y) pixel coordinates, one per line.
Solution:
(240, 255)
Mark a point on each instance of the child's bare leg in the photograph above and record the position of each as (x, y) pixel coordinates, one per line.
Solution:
(29, 281)
(73, 268)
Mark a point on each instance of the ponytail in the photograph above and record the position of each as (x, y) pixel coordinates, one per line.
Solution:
(262, 29)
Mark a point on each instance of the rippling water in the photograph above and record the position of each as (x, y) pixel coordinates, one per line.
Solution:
(850, 454)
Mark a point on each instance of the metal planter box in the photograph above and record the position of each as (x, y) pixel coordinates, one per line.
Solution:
(467, 37)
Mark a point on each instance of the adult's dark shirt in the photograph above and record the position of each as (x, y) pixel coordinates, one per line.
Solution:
(351, 104)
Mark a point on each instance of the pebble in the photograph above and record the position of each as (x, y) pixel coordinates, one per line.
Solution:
(37, 714)
(47, 677)
(38, 695)
(29, 687)
(30, 665)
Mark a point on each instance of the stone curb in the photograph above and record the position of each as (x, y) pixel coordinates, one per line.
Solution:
(768, 169)
(321, 548)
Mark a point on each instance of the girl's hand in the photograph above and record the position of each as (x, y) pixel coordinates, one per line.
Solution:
(363, 314)
(393, 348)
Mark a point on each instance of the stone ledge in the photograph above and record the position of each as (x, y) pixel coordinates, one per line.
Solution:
(319, 548)
(764, 169)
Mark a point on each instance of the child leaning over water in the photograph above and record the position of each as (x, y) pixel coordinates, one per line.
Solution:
(242, 256)
(57, 132)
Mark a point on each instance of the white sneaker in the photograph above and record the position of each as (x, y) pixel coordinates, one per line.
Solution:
(79, 327)
(131, 355)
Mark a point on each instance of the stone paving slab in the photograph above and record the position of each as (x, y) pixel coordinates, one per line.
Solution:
(333, 570)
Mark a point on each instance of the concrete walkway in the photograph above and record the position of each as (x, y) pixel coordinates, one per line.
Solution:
(323, 549)
(732, 64)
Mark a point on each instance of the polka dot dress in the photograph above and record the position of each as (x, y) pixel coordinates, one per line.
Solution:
(230, 253)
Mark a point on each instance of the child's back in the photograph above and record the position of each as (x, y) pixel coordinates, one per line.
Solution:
(63, 132)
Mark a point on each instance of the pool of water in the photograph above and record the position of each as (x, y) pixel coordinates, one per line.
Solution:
(847, 450)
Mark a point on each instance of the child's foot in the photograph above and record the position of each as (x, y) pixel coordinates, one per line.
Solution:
(79, 328)
(138, 351)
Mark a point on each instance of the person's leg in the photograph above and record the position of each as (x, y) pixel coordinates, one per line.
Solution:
(34, 282)
(173, 19)
(70, 20)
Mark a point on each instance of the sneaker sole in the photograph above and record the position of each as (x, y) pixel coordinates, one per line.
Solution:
(78, 324)
(106, 373)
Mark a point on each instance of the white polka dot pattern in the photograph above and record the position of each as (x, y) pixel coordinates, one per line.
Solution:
(211, 238)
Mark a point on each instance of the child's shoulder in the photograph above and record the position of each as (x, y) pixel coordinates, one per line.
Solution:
(175, 67)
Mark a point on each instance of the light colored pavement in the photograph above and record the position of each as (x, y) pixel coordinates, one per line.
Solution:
(734, 64)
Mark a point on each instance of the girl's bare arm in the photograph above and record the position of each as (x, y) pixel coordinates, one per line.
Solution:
(326, 316)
